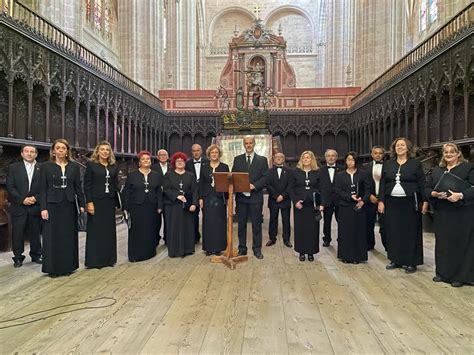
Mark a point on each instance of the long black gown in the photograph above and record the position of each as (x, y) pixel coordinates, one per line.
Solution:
(352, 225)
(214, 213)
(142, 199)
(454, 228)
(402, 218)
(179, 221)
(305, 188)
(101, 238)
(60, 236)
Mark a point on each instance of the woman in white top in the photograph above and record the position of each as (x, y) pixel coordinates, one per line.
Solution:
(402, 201)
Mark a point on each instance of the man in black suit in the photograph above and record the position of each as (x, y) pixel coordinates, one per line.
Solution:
(328, 174)
(23, 186)
(161, 168)
(374, 169)
(279, 199)
(251, 203)
(195, 165)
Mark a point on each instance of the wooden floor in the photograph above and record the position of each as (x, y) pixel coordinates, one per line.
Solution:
(277, 305)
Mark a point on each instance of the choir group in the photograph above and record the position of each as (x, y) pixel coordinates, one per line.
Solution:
(173, 192)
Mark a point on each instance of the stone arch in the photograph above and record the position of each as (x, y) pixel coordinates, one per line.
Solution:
(303, 29)
(223, 24)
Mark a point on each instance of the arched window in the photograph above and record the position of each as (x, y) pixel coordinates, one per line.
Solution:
(99, 15)
(428, 13)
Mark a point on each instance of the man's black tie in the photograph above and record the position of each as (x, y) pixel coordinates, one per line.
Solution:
(197, 162)
(379, 162)
(331, 167)
(248, 161)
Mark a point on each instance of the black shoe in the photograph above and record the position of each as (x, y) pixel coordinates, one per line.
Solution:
(270, 242)
(456, 284)
(17, 263)
(208, 253)
(242, 253)
(217, 253)
(259, 255)
(326, 244)
(355, 262)
(392, 266)
(410, 269)
(302, 257)
(345, 261)
(288, 244)
(438, 279)
(37, 260)
(310, 257)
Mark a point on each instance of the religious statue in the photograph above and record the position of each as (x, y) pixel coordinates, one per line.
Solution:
(256, 98)
(239, 98)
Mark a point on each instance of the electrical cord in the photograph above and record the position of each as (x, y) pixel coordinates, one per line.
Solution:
(114, 301)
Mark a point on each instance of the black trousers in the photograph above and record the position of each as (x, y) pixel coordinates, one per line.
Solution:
(197, 235)
(255, 212)
(26, 226)
(327, 216)
(273, 225)
(372, 216)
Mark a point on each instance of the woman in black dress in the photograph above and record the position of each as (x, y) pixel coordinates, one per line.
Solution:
(213, 204)
(142, 203)
(402, 200)
(353, 189)
(305, 194)
(100, 188)
(453, 220)
(180, 195)
(61, 198)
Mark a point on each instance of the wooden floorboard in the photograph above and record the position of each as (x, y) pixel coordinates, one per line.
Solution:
(277, 305)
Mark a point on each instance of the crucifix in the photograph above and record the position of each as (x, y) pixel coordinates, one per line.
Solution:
(146, 186)
(181, 188)
(257, 10)
(307, 182)
(107, 177)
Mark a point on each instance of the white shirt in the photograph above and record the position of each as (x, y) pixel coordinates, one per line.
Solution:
(30, 169)
(376, 175)
(164, 168)
(197, 168)
(331, 172)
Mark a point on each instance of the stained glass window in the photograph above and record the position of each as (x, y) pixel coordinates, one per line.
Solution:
(433, 10)
(98, 14)
(423, 14)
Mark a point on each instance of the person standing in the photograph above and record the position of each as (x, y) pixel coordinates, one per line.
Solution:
(23, 187)
(307, 204)
(101, 190)
(161, 168)
(213, 204)
(279, 200)
(374, 170)
(353, 188)
(328, 172)
(142, 202)
(453, 220)
(251, 203)
(61, 198)
(195, 166)
(403, 201)
(180, 191)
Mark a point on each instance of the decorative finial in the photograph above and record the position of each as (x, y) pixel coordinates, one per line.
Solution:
(280, 29)
(257, 10)
(236, 31)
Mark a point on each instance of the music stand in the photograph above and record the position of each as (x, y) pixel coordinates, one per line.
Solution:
(230, 183)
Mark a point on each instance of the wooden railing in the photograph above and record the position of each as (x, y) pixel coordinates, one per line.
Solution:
(458, 25)
(58, 38)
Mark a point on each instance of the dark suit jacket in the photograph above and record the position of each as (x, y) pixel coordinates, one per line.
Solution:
(134, 191)
(279, 186)
(94, 181)
(190, 166)
(257, 175)
(298, 190)
(206, 179)
(157, 167)
(412, 178)
(328, 192)
(18, 190)
(50, 183)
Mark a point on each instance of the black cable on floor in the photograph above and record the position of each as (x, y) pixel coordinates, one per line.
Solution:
(114, 301)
